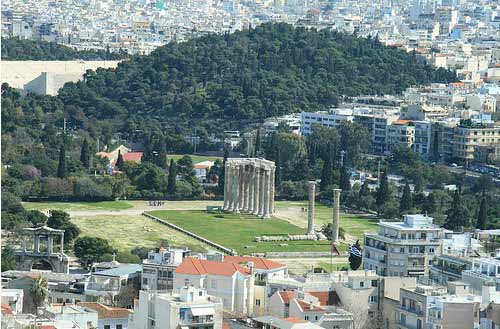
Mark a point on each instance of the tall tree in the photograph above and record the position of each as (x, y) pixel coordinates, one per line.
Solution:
(60, 220)
(62, 167)
(327, 174)
(406, 201)
(383, 192)
(345, 182)
(39, 291)
(85, 154)
(119, 161)
(90, 250)
(172, 173)
(458, 215)
(482, 216)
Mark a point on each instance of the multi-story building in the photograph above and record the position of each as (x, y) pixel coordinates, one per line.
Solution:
(109, 317)
(448, 268)
(233, 283)
(483, 274)
(422, 143)
(158, 269)
(377, 125)
(190, 307)
(330, 119)
(403, 248)
(469, 136)
(400, 133)
(414, 304)
(454, 312)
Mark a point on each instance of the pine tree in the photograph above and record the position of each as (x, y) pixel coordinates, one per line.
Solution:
(482, 216)
(344, 183)
(85, 154)
(119, 161)
(61, 167)
(383, 192)
(457, 215)
(406, 201)
(222, 176)
(172, 173)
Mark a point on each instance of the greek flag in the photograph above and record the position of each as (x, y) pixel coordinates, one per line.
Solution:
(353, 250)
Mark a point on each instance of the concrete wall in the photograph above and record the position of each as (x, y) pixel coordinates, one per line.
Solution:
(459, 315)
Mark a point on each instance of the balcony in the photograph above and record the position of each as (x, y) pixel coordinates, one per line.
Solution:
(197, 320)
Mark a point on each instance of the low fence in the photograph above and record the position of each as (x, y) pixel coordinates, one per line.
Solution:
(298, 254)
(191, 234)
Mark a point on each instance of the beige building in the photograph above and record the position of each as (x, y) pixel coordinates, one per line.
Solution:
(400, 133)
(454, 312)
(467, 138)
(189, 308)
(403, 248)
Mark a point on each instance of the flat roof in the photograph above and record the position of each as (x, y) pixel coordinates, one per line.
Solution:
(121, 271)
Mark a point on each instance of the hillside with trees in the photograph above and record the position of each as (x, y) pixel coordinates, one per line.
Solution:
(15, 49)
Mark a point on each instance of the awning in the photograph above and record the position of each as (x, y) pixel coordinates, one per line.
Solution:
(184, 327)
(198, 311)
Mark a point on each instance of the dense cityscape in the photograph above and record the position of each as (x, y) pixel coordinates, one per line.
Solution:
(274, 164)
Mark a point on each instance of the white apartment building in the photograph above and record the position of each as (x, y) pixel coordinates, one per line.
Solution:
(484, 272)
(422, 143)
(403, 248)
(329, 119)
(158, 269)
(190, 307)
(232, 283)
(454, 312)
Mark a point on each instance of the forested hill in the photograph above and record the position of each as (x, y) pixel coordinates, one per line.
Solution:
(218, 82)
(249, 75)
(14, 49)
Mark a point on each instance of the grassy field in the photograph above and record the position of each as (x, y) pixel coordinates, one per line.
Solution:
(354, 225)
(238, 231)
(126, 232)
(103, 205)
(196, 158)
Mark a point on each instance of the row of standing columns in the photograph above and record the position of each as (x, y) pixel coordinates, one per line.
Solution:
(249, 186)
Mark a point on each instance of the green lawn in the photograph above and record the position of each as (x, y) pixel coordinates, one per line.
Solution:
(102, 205)
(238, 231)
(354, 225)
(196, 158)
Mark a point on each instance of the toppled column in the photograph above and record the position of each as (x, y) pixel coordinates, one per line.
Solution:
(336, 215)
(310, 210)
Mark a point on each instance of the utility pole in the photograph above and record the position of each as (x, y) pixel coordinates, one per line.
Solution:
(378, 173)
(64, 125)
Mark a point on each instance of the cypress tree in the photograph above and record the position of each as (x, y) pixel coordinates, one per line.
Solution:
(383, 192)
(61, 167)
(457, 215)
(327, 174)
(406, 201)
(345, 183)
(172, 173)
(85, 154)
(119, 161)
(364, 190)
(482, 216)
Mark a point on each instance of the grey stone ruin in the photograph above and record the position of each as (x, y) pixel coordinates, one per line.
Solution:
(336, 215)
(249, 186)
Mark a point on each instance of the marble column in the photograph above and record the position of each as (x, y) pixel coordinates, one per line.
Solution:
(240, 189)
(226, 187)
(246, 183)
(37, 244)
(310, 210)
(62, 243)
(229, 187)
(235, 188)
(256, 196)
(267, 192)
(251, 188)
(272, 187)
(50, 244)
(336, 215)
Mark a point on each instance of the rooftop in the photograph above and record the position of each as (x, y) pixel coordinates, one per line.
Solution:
(107, 312)
(123, 270)
(258, 262)
(195, 266)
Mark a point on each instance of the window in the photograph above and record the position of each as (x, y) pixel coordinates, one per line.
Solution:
(361, 284)
(257, 302)
(119, 326)
(372, 299)
(186, 282)
(316, 318)
(200, 293)
(306, 317)
(144, 281)
(431, 250)
(374, 283)
(107, 326)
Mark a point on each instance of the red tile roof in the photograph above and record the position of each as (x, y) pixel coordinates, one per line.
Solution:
(258, 262)
(6, 309)
(306, 307)
(294, 320)
(226, 325)
(287, 296)
(107, 312)
(133, 156)
(196, 266)
(326, 297)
